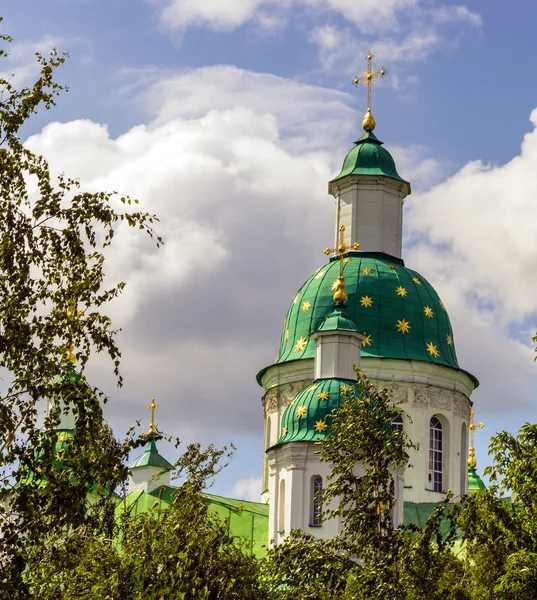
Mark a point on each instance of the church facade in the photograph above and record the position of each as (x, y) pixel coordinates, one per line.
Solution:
(398, 331)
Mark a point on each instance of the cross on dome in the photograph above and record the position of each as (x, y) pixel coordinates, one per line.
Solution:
(152, 429)
(340, 251)
(472, 462)
(368, 79)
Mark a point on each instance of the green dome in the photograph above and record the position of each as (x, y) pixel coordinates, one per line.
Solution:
(397, 310)
(338, 321)
(368, 157)
(304, 420)
(151, 458)
(475, 483)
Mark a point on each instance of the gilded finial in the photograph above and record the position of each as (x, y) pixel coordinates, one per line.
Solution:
(152, 429)
(368, 79)
(69, 356)
(472, 462)
(340, 251)
(72, 313)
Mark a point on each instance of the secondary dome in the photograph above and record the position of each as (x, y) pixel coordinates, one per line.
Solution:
(368, 157)
(304, 420)
(396, 308)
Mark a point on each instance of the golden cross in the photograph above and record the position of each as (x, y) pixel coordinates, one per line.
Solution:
(72, 313)
(472, 462)
(368, 79)
(152, 429)
(340, 251)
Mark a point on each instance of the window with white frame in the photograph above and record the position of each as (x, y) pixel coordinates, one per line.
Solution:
(397, 423)
(435, 454)
(316, 492)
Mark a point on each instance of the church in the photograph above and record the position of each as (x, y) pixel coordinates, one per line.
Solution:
(364, 306)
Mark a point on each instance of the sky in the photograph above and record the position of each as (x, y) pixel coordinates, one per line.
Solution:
(227, 118)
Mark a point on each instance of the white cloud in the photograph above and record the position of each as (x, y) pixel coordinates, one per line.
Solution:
(474, 237)
(395, 30)
(20, 64)
(248, 489)
(366, 14)
(236, 166)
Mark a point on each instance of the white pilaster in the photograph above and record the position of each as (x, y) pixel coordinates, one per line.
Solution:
(371, 209)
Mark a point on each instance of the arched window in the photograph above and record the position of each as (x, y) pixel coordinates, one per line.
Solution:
(435, 454)
(281, 512)
(397, 423)
(316, 491)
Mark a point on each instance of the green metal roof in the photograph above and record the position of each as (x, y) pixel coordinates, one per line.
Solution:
(396, 308)
(475, 483)
(338, 321)
(150, 458)
(247, 520)
(305, 419)
(368, 157)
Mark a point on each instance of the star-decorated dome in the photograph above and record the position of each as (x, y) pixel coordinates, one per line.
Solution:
(304, 420)
(368, 157)
(396, 308)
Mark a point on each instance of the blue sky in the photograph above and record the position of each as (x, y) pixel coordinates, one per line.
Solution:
(220, 101)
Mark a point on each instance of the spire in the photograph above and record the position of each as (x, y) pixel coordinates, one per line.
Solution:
(152, 431)
(368, 79)
(340, 251)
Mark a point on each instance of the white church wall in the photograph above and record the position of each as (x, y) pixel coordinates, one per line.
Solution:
(147, 479)
(371, 209)
(420, 390)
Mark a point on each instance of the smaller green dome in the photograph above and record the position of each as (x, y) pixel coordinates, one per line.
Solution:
(338, 321)
(368, 157)
(475, 483)
(150, 458)
(304, 420)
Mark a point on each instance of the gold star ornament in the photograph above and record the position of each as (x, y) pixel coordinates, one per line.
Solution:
(286, 334)
(284, 432)
(300, 344)
(428, 312)
(345, 388)
(400, 291)
(432, 350)
(306, 306)
(302, 410)
(403, 326)
(367, 271)
(367, 341)
(366, 301)
(416, 280)
(320, 426)
(449, 340)
(323, 396)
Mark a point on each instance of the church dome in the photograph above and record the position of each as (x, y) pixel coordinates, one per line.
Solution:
(396, 308)
(368, 157)
(304, 420)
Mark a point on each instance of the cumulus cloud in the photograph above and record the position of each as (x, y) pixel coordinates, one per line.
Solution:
(474, 236)
(236, 165)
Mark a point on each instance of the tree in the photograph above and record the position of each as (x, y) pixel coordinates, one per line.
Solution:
(183, 551)
(53, 239)
(370, 558)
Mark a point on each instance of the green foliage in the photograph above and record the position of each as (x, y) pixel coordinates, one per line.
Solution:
(182, 551)
(53, 239)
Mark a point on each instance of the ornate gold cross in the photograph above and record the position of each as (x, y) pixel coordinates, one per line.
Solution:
(368, 79)
(472, 462)
(152, 429)
(340, 251)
